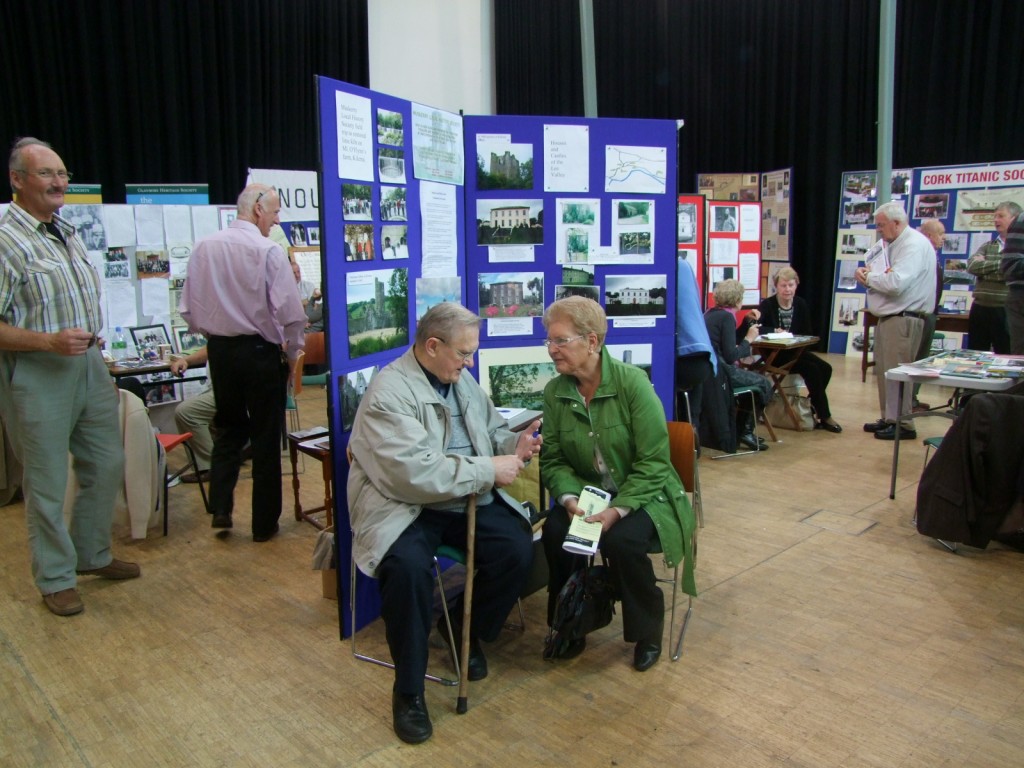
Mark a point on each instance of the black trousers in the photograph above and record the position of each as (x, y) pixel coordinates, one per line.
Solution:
(250, 381)
(691, 373)
(504, 554)
(625, 547)
(987, 329)
(816, 374)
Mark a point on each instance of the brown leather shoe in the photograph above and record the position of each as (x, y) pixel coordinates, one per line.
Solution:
(64, 603)
(118, 569)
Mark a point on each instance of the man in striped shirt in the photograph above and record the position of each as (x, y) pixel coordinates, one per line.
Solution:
(56, 396)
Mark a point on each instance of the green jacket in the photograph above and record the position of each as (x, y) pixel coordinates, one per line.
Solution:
(990, 286)
(627, 421)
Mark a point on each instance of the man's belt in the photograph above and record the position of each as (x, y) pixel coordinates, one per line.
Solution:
(906, 313)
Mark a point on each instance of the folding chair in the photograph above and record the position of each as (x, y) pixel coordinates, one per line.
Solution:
(683, 454)
(739, 392)
(169, 443)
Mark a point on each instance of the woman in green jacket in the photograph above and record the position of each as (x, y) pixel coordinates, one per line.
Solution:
(604, 426)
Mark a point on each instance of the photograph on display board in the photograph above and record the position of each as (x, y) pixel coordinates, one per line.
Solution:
(377, 305)
(390, 127)
(955, 243)
(686, 223)
(847, 274)
(847, 311)
(718, 274)
(634, 169)
(690, 256)
(633, 212)
(854, 243)
(149, 338)
(297, 234)
(355, 202)
(313, 232)
(162, 392)
(394, 241)
(353, 386)
(931, 206)
(632, 354)
(855, 342)
(152, 262)
(515, 377)
(392, 204)
(635, 295)
(577, 274)
(586, 291)
(956, 302)
(503, 166)
(187, 341)
(88, 220)
(116, 265)
(509, 222)
(359, 242)
(976, 208)
(858, 213)
(954, 272)
(510, 294)
(391, 165)
(638, 244)
(861, 184)
(579, 230)
(436, 290)
(724, 218)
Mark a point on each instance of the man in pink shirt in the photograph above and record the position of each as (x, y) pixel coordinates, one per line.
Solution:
(240, 293)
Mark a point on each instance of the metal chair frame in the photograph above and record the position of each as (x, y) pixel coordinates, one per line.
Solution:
(169, 443)
(683, 453)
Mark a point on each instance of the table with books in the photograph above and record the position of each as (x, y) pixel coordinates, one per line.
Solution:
(961, 369)
(769, 346)
(315, 443)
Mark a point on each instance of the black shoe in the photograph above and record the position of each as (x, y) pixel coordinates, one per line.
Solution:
(574, 649)
(876, 426)
(261, 537)
(889, 433)
(221, 521)
(645, 655)
(412, 723)
(753, 442)
(477, 667)
(833, 427)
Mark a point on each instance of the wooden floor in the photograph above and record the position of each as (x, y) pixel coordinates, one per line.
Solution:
(827, 633)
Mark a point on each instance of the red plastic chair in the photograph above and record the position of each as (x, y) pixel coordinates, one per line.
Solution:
(169, 443)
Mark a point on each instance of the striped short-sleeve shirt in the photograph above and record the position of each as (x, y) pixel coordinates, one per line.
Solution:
(46, 285)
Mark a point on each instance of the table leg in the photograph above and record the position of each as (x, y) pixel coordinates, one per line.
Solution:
(328, 473)
(896, 444)
(293, 454)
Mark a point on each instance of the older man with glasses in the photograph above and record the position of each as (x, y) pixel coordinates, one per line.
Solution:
(56, 396)
(425, 437)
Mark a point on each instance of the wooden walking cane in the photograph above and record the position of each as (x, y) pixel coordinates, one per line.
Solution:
(467, 605)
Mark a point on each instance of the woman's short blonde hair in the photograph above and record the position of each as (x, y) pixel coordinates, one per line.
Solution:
(729, 293)
(786, 273)
(586, 316)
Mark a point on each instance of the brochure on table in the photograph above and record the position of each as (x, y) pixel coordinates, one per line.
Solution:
(503, 214)
(962, 197)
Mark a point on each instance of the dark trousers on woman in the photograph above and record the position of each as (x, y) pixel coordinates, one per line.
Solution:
(816, 374)
(250, 381)
(624, 547)
(503, 556)
(691, 373)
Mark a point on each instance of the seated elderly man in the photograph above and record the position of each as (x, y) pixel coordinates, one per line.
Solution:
(425, 437)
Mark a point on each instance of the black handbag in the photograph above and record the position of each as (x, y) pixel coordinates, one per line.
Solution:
(585, 603)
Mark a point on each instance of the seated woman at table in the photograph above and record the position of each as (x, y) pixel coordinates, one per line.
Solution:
(605, 426)
(731, 344)
(785, 311)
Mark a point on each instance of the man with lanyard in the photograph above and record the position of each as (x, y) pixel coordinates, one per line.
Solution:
(987, 327)
(901, 293)
(241, 293)
(56, 395)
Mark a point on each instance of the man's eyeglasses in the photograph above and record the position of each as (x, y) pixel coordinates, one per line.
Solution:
(464, 357)
(259, 197)
(48, 174)
(559, 343)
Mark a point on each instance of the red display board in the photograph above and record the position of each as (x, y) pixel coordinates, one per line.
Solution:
(734, 247)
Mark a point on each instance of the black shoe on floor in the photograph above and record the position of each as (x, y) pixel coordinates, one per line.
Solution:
(261, 537)
(753, 442)
(477, 667)
(876, 426)
(832, 427)
(645, 655)
(411, 720)
(221, 521)
(889, 433)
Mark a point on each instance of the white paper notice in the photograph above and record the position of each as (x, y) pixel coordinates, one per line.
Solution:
(205, 220)
(724, 250)
(750, 223)
(156, 298)
(440, 243)
(749, 269)
(633, 322)
(437, 149)
(510, 326)
(510, 253)
(355, 136)
(120, 303)
(149, 224)
(119, 221)
(177, 224)
(566, 158)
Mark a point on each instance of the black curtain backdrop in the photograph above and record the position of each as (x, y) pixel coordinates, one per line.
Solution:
(767, 84)
(175, 91)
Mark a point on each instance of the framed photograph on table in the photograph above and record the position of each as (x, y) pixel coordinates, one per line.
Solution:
(187, 341)
(151, 336)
